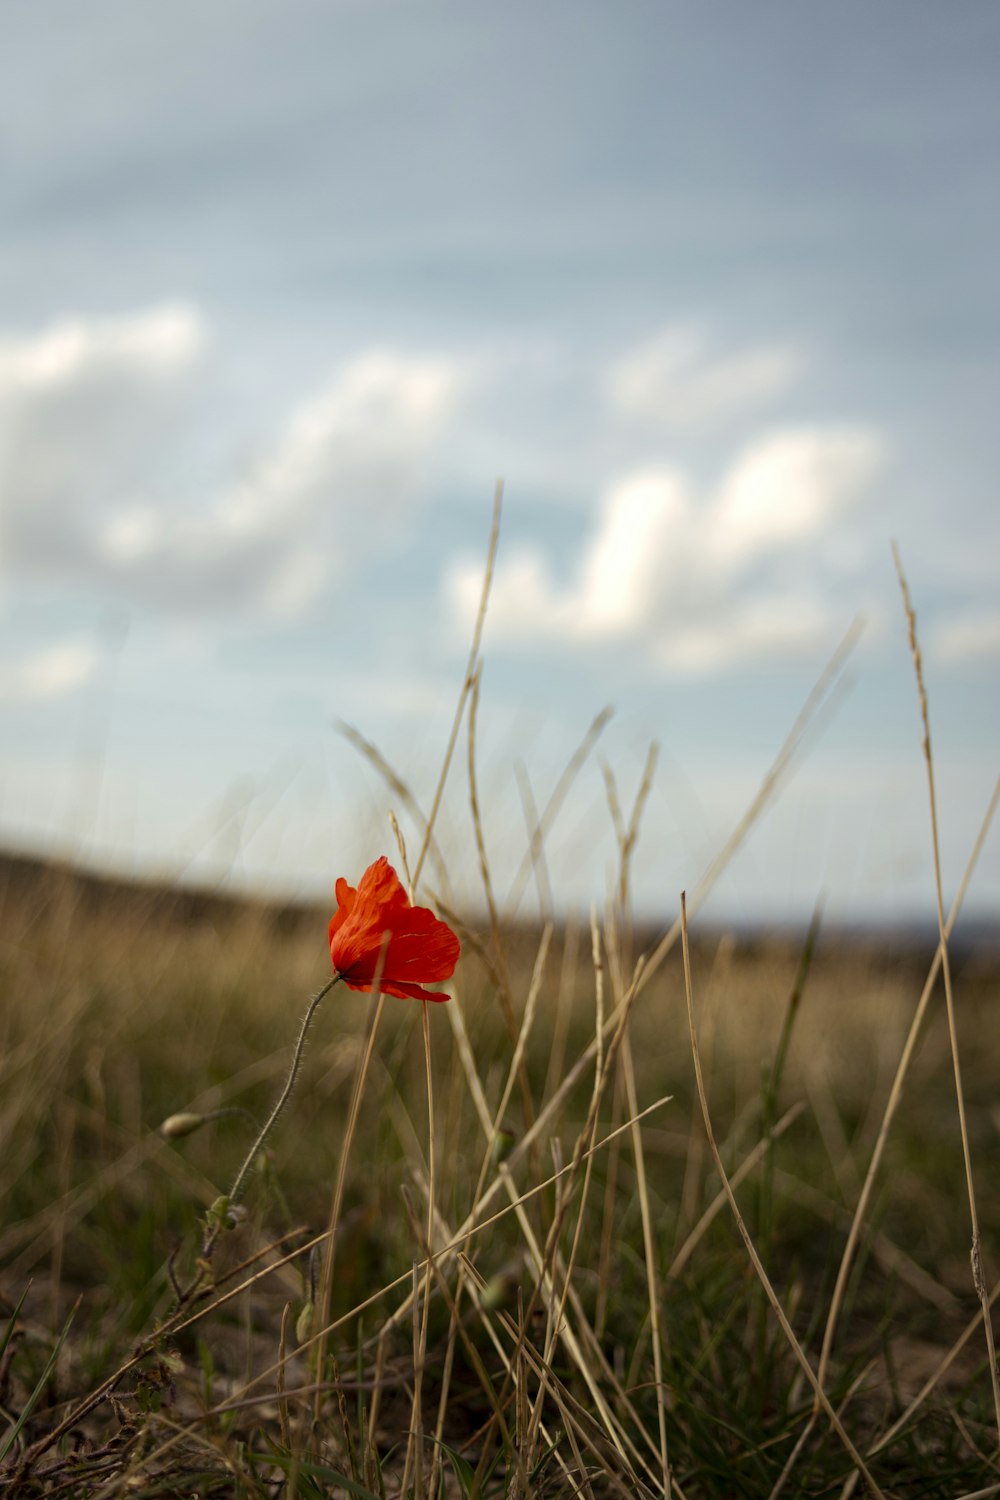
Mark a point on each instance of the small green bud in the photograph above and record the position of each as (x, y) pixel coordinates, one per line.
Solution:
(503, 1144)
(495, 1294)
(186, 1123)
(304, 1321)
(217, 1216)
(224, 1215)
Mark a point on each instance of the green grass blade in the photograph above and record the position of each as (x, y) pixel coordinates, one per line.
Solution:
(13, 1432)
(313, 1470)
(12, 1322)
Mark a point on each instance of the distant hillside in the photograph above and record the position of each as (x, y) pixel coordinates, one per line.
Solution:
(26, 876)
(975, 947)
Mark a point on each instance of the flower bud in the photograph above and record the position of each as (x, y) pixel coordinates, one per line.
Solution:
(186, 1123)
(304, 1322)
(503, 1144)
(496, 1294)
(222, 1214)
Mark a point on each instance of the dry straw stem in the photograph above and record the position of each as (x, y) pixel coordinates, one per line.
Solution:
(755, 1259)
(627, 838)
(544, 1259)
(499, 967)
(978, 1277)
(321, 1388)
(456, 1322)
(743, 1171)
(173, 1325)
(415, 1443)
(514, 1442)
(896, 1091)
(453, 1246)
(371, 753)
(650, 1256)
(527, 1022)
(932, 1380)
(470, 671)
(594, 1350)
(330, 1249)
(181, 1323)
(819, 701)
(536, 849)
(554, 805)
(556, 1318)
(574, 1416)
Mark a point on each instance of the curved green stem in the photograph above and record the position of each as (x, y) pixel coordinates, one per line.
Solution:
(286, 1093)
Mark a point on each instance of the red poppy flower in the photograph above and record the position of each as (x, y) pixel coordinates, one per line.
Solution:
(420, 948)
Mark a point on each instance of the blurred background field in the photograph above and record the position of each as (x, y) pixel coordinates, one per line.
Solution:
(125, 1004)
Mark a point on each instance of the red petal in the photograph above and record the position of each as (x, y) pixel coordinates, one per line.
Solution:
(381, 887)
(418, 947)
(401, 991)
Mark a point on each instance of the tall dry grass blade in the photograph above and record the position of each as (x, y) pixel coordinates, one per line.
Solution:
(456, 1322)
(553, 807)
(500, 969)
(370, 752)
(896, 1092)
(978, 1277)
(453, 1246)
(574, 1415)
(536, 847)
(557, 1315)
(513, 1071)
(932, 1380)
(693, 1240)
(325, 1298)
(516, 1066)
(414, 1438)
(416, 1423)
(470, 672)
(543, 1258)
(818, 701)
(744, 1232)
(649, 1252)
(621, 928)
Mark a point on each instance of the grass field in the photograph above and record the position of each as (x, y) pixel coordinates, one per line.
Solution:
(598, 1316)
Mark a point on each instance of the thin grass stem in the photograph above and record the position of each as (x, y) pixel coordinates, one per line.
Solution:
(744, 1232)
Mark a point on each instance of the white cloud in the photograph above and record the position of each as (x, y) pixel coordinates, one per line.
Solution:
(677, 380)
(788, 486)
(92, 413)
(157, 341)
(361, 438)
(275, 538)
(49, 673)
(88, 410)
(971, 637)
(697, 582)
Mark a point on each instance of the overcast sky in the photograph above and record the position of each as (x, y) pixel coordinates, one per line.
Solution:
(285, 287)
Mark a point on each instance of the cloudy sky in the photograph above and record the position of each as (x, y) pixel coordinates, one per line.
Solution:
(285, 287)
